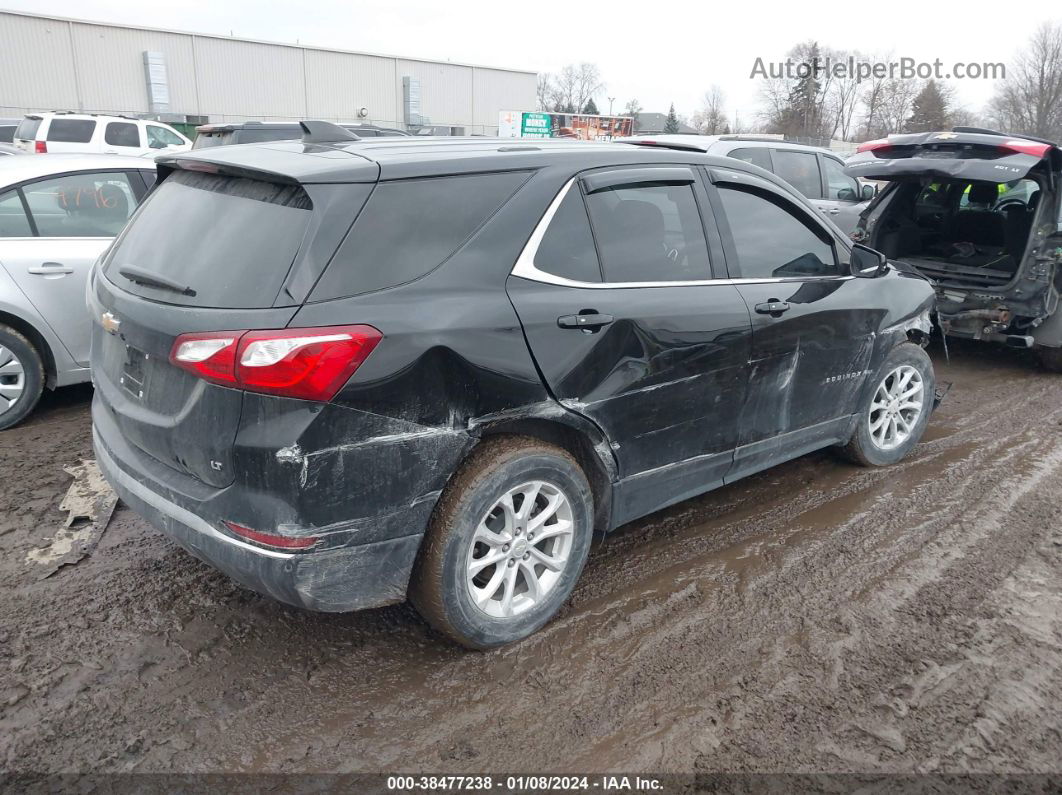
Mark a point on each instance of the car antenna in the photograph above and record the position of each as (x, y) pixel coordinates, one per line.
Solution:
(324, 132)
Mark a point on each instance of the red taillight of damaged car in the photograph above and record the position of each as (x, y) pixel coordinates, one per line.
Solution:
(305, 363)
(271, 540)
(873, 146)
(1026, 148)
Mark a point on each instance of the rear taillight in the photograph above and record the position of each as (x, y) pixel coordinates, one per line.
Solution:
(306, 363)
(40, 147)
(271, 540)
(872, 146)
(1026, 148)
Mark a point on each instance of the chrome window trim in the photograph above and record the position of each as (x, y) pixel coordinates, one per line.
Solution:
(525, 263)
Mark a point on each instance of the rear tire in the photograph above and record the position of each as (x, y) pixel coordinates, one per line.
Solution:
(1051, 359)
(893, 418)
(21, 377)
(506, 544)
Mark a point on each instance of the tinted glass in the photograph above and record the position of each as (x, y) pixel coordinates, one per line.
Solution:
(81, 205)
(650, 234)
(839, 185)
(120, 133)
(13, 222)
(567, 249)
(410, 227)
(7, 133)
(760, 156)
(231, 240)
(27, 128)
(799, 169)
(262, 136)
(71, 131)
(160, 137)
(771, 241)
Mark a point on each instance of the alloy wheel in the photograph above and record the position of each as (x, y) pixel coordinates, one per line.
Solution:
(12, 379)
(896, 408)
(520, 549)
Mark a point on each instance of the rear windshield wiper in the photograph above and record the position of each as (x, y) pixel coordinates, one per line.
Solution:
(149, 279)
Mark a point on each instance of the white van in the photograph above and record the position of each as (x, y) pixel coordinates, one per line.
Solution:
(83, 132)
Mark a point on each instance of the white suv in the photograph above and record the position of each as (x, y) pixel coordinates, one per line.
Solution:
(89, 133)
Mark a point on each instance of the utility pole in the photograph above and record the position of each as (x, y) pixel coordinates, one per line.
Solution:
(610, 101)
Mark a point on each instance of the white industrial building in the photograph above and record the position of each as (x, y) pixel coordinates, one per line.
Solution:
(51, 63)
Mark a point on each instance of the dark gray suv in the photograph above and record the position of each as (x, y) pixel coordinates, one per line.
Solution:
(347, 371)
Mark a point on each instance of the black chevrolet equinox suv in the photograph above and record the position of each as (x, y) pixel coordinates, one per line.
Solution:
(346, 372)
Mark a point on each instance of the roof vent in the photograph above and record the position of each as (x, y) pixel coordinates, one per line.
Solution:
(323, 132)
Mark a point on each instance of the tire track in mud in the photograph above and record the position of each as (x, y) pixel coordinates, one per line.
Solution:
(817, 616)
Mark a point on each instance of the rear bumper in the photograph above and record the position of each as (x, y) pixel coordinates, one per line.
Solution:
(333, 580)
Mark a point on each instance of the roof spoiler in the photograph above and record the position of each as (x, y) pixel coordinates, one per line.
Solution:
(324, 132)
(985, 131)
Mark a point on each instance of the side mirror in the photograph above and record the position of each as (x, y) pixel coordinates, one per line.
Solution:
(866, 263)
(868, 191)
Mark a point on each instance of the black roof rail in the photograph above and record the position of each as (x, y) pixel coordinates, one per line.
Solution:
(324, 132)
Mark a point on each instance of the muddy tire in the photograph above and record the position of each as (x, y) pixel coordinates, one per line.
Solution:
(21, 377)
(1051, 359)
(894, 416)
(506, 544)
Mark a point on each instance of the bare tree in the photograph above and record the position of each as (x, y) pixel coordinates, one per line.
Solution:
(588, 83)
(1030, 100)
(545, 91)
(711, 118)
(633, 108)
(570, 89)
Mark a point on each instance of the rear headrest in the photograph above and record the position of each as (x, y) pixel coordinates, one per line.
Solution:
(984, 193)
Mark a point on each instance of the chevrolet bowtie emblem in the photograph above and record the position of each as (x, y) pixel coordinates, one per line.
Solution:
(110, 323)
(946, 136)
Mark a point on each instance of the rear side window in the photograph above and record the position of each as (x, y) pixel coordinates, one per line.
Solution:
(229, 239)
(758, 156)
(13, 221)
(772, 242)
(567, 248)
(7, 133)
(408, 228)
(27, 129)
(799, 169)
(120, 133)
(71, 131)
(651, 233)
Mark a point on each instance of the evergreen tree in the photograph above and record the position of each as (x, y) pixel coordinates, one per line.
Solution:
(803, 108)
(591, 107)
(672, 123)
(929, 111)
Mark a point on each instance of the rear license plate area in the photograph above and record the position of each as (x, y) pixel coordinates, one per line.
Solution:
(134, 372)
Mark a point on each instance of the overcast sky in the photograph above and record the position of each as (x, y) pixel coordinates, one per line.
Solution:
(658, 53)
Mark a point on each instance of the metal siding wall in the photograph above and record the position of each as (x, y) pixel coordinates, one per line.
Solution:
(28, 80)
(494, 90)
(337, 84)
(110, 64)
(99, 68)
(245, 78)
(445, 90)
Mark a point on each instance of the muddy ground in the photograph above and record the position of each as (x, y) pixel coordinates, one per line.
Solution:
(817, 617)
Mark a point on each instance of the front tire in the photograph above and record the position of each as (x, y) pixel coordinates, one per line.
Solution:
(21, 377)
(894, 417)
(506, 544)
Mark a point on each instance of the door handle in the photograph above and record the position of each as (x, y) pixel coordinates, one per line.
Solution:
(834, 211)
(50, 269)
(590, 320)
(773, 307)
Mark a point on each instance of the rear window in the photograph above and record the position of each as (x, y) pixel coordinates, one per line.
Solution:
(409, 228)
(27, 129)
(71, 131)
(231, 240)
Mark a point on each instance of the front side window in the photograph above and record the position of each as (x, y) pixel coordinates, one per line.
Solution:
(649, 233)
(120, 133)
(81, 205)
(799, 169)
(567, 248)
(758, 156)
(13, 221)
(71, 131)
(771, 240)
(839, 185)
(160, 137)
